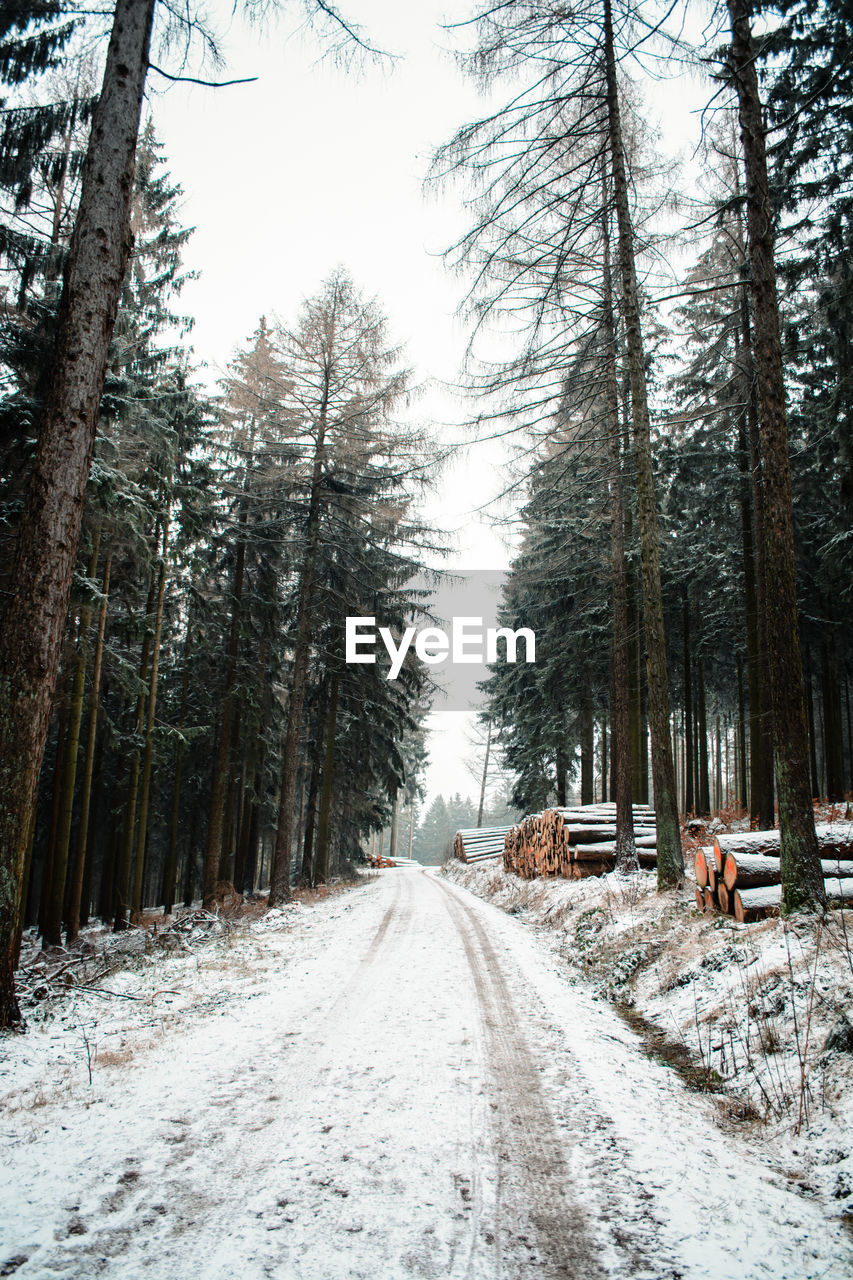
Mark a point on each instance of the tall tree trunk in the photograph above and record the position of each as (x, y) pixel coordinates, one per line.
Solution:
(560, 771)
(849, 730)
(702, 733)
(123, 868)
(78, 874)
(620, 686)
(280, 871)
(670, 858)
(147, 755)
(689, 794)
(222, 762)
(810, 727)
(55, 802)
(644, 748)
(34, 622)
(754, 664)
(634, 662)
(226, 861)
(307, 873)
(170, 870)
(321, 871)
(741, 738)
(587, 743)
(190, 859)
(395, 823)
(485, 775)
(802, 882)
(831, 691)
(95, 808)
(54, 912)
(604, 753)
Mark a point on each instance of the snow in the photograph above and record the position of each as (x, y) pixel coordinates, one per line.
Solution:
(399, 1080)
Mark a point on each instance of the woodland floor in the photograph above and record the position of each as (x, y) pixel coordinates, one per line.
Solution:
(398, 1080)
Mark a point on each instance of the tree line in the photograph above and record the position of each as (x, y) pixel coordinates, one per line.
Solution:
(173, 561)
(684, 549)
(176, 714)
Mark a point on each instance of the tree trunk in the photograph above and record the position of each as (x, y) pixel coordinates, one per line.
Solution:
(123, 868)
(849, 730)
(753, 658)
(222, 762)
(802, 883)
(702, 735)
(34, 622)
(741, 738)
(620, 688)
(170, 870)
(54, 913)
(55, 803)
(810, 727)
(307, 873)
(226, 860)
(280, 871)
(395, 823)
(689, 795)
(587, 743)
(560, 771)
(79, 867)
(95, 803)
(604, 761)
(833, 741)
(670, 859)
(147, 756)
(321, 865)
(485, 775)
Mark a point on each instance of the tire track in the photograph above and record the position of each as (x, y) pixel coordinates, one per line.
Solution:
(533, 1182)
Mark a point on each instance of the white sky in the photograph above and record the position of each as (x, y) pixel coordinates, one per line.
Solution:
(311, 167)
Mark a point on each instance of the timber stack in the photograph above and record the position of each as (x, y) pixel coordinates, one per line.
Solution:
(476, 844)
(740, 874)
(575, 843)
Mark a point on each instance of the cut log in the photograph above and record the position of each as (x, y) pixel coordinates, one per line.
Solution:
(700, 900)
(839, 890)
(477, 843)
(753, 870)
(725, 899)
(834, 840)
(700, 868)
(710, 900)
(755, 904)
(607, 848)
(580, 834)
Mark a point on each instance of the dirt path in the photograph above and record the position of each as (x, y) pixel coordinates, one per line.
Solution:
(404, 1087)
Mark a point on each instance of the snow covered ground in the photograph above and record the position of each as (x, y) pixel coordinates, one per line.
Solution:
(397, 1081)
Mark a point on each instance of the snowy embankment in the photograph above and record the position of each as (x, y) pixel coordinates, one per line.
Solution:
(758, 1017)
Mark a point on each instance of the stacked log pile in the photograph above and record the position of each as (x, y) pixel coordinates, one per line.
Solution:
(741, 873)
(478, 843)
(378, 861)
(574, 843)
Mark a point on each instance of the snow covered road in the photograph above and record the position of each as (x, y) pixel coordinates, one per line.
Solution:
(401, 1085)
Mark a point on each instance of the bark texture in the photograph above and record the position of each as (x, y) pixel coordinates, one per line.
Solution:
(670, 858)
(33, 625)
(802, 883)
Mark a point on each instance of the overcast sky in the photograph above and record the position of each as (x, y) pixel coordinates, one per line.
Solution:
(313, 166)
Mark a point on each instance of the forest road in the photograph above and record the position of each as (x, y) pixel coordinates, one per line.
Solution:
(412, 1090)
